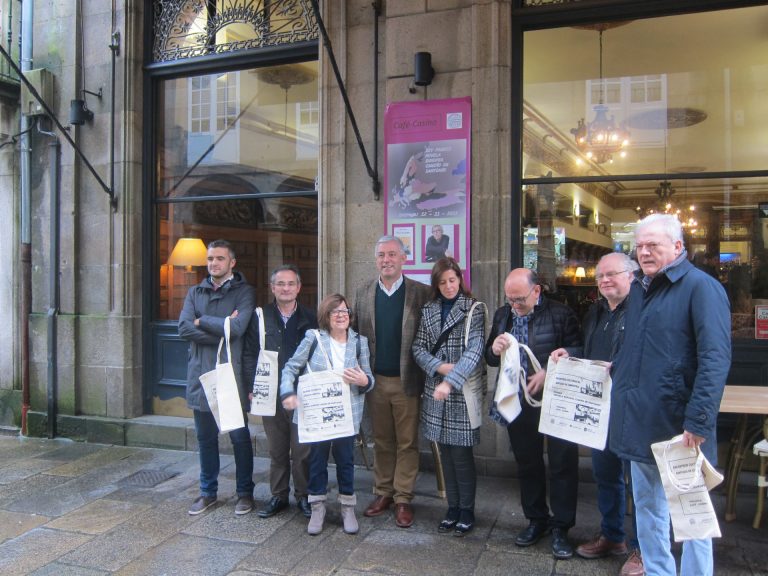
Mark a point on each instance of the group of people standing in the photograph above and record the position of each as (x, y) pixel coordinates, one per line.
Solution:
(416, 352)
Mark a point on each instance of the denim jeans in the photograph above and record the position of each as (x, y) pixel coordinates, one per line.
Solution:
(344, 457)
(460, 479)
(208, 445)
(653, 529)
(608, 470)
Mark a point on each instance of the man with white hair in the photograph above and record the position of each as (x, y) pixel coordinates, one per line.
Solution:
(668, 379)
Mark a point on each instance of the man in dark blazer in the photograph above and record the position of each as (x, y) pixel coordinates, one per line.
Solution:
(387, 311)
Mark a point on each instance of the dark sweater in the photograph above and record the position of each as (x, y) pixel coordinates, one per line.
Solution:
(389, 331)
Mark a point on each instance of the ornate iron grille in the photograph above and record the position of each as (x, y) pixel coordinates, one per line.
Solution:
(190, 28)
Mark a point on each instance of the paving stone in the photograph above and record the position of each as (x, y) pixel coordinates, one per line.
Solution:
(223, 523)
(57, 569)
(13, 524)
(93, 461)
(97, 517)
(401, 552)
(183, 555)
(20, 469)
(498, 563)
(31, 487)
(68, 450)
(36, 548)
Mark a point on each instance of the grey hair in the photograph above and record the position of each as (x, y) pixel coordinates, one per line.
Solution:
(627, 263)
(285, 268)
(389, 238)
(670, 225)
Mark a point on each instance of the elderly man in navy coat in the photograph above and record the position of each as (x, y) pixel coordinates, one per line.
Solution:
(668, 379)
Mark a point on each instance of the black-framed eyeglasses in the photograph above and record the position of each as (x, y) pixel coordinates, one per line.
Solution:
(341, 312)
(520, 299)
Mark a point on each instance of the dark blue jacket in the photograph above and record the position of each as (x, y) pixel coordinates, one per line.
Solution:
(670, 372)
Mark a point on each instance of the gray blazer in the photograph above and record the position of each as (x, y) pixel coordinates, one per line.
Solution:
(364, 318)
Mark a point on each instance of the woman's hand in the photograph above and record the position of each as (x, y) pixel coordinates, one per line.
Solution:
(291, 402)
(442, 391)
(536, 382)
(355, 376)
(445, 369)
(559, 353)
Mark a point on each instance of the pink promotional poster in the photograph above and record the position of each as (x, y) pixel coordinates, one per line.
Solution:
(427, 181)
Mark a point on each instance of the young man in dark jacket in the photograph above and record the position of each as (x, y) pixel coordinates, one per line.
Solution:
(285, 323)
(543, 325)
(223, 293)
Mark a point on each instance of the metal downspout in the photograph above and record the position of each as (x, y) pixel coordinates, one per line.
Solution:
(27, 12)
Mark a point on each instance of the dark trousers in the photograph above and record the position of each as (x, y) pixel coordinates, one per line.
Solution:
(563, 459)
(344, 457)
(608, 470)
(460, 480)
(287, 456)
(208, 445)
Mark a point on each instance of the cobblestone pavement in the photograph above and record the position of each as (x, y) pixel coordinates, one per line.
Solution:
(70, 508)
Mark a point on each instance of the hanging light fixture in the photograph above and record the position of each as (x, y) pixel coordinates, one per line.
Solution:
(665, 191)
(600, 139)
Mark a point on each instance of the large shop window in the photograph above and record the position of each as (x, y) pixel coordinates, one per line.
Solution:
(621, 119)
(238, 161)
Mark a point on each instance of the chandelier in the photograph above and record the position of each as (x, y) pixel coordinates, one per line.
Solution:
(600, 139)
(665, 191)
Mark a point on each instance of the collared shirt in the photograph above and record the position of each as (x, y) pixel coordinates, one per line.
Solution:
(287, 317)
(645, 281)
(219, 286)
(395, 286)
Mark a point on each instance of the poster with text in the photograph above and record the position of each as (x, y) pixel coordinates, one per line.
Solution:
(427, 181)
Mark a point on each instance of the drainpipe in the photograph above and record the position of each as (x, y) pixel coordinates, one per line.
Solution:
(27, 11)
(52, 315)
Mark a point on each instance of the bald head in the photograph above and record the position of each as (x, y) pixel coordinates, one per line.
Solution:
(522, 290)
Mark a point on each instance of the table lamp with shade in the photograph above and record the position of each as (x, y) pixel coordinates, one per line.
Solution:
(189, 252)
(580, 274)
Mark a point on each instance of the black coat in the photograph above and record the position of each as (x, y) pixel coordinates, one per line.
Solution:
(273, 338)
(554, 325)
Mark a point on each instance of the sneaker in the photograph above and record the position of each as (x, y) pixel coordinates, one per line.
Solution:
(201, 504)
(244, 505)
(634, 565)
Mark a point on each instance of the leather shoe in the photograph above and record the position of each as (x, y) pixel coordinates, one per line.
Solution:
(404, 515)
(305, 506)
(380, 505)
(274, 506)
(601, 547)
(633, 566)
(561, 548)
(532, 534)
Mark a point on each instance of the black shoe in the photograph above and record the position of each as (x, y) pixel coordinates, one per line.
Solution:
(305, 506)
(532, 534)
(561, 548)
(274, 506)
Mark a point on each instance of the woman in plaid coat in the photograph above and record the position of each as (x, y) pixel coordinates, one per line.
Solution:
(440, 351)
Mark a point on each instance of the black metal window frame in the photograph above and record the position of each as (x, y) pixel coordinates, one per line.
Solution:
(154, 74)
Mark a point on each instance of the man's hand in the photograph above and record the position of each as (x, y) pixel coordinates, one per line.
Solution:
(196, 322)
(291, 402)
(536, 382)
(559, 353)
(691, 440)
(442, 391)
(501, 343)
(233, 315)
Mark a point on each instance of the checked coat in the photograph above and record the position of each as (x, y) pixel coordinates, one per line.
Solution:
(447, 422)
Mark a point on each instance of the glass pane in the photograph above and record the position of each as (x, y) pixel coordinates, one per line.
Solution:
(251, 125)
(688, 92)
(265, 233)
(568, 227)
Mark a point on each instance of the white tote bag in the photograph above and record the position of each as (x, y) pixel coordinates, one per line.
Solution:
(475, 387)
(265, 384)
(687, 477)
(325, 406)
(220, 387)
(512, 379)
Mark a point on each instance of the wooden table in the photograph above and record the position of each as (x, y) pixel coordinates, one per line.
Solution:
(742, 400)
